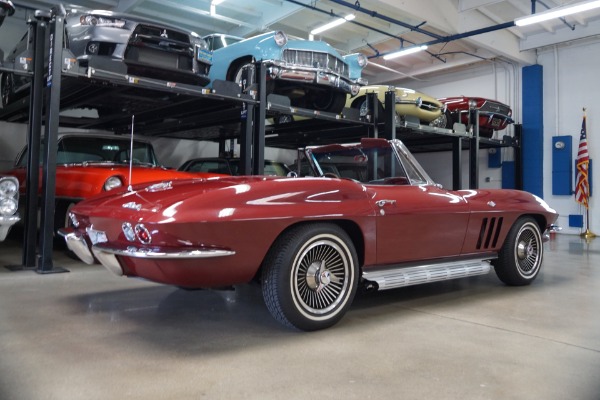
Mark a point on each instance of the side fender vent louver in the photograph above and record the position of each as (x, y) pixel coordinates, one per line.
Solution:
(490, 230)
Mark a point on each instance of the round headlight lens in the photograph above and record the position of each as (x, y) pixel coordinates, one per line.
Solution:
(362, 60)
(112, 183)
(280, 38)
(8, 206)
(9, 187)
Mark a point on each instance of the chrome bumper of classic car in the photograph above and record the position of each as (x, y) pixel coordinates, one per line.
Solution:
(6, 223)
(427, 106)
(297, 73)
(107, 254)
(77, 244)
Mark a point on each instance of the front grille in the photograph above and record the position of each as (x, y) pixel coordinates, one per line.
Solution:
(156, 33)
(489, 233)
(314, 59)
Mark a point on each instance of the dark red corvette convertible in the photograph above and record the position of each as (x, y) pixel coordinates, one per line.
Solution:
(369, 216)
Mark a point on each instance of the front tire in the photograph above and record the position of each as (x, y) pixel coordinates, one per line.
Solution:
(310, 276)
(520, 258)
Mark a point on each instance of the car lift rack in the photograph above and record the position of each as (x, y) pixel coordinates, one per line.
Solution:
(167, 109)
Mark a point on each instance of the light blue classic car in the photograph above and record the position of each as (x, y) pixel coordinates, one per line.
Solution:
(311, 73)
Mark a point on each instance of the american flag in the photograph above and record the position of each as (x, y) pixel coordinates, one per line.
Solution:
(582, 190)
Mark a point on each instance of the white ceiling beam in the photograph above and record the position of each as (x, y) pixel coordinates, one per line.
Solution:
(468, 5)
(564, 34)
(443, 15)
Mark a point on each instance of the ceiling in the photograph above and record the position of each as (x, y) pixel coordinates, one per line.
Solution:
(380, 27)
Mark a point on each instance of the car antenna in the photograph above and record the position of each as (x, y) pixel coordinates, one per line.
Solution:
(131, 152)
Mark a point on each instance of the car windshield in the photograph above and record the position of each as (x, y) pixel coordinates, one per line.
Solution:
(373, 161)
(216, 42)
(80, 149)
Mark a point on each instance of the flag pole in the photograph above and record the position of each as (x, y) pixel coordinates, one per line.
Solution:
(588, 234)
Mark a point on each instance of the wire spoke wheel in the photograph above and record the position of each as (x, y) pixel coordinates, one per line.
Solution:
(310, 276)
(520, 259)
(527, 251)
(320, 276)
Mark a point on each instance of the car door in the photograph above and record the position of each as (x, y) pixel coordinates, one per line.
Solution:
(418, 222)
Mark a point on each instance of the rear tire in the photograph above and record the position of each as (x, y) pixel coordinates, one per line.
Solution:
(8, 88)
(310, 276)
(520, 258)
(330, 101)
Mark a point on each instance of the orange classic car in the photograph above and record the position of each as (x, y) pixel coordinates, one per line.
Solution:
(89, 164)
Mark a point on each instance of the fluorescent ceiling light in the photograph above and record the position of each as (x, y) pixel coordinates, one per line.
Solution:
(213, 6)
(557, 12)
(332, 24)
(403, 52)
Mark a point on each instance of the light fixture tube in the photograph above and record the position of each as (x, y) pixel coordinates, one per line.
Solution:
(557, 12)
(404, 52)
(332, 24)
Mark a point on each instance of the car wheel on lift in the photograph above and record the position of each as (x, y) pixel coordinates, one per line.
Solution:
(8, 87)
(361, 105)
(445, 120)
(310, 276)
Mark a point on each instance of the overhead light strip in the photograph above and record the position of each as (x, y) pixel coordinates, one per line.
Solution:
(404, 52)
(332, 24)
(557, 12)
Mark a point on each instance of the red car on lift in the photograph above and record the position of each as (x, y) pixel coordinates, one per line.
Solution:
(493, 115)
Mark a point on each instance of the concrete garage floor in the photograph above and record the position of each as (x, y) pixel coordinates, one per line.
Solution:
(90, 335)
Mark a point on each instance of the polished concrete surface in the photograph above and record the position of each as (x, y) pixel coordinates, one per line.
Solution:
(88, 334)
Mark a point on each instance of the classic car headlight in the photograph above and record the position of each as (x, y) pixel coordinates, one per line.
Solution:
(9, 186)
(362, 60)
(8, 206)
(280, 38)
(472, 104)
(202, 44)
(112, 183)
(101, 21)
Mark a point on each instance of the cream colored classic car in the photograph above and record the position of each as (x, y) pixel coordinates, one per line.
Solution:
(409, 102)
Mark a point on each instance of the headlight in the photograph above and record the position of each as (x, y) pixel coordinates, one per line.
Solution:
(9, 186)
(362, 60)
(93, 20)
(201, 43)
(8, 206)
(280, 38)
(472, 104)
(112, 183)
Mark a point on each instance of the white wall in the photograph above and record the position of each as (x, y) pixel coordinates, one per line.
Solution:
(494, 80)
(571, 83)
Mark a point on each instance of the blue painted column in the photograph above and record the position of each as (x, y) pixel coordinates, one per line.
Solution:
(532, 144)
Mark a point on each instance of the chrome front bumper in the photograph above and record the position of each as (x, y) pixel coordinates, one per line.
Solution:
(6, 223)
(298, 73)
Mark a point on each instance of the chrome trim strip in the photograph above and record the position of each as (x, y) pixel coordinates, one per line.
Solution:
(6, 223)
(154, 253)
(408, 276)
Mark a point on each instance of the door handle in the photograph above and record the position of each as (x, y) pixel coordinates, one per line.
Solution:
(382, 203)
